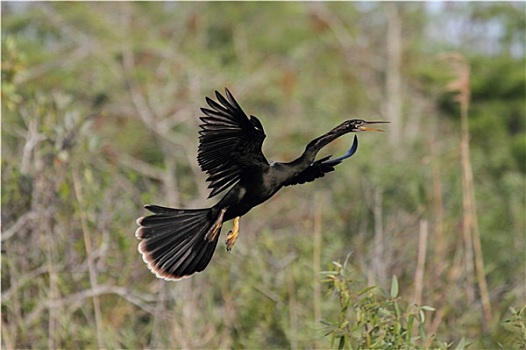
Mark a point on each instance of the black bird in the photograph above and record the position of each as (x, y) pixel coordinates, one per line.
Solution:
(176, 243)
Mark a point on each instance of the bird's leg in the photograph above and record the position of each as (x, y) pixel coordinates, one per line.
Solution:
(231, 237)
(216, 227)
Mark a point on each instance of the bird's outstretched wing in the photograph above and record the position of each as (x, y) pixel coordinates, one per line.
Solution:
(229, 142)
(321, 167)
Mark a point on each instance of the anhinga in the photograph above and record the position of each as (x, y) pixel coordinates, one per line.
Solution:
(176, 243)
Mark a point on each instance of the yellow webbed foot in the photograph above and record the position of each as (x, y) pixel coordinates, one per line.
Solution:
(231, 237)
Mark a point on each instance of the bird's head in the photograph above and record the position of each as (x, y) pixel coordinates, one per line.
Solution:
(355, 125)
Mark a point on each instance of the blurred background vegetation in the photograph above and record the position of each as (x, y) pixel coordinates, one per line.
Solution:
(100, 108)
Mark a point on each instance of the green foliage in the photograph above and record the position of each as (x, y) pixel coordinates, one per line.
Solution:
(16, 192)
(100, 107)
(516, 326)
(369, 319)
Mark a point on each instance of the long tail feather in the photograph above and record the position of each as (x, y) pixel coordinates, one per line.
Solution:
(173, 243)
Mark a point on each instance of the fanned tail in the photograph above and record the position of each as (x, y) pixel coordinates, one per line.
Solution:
(173, 243)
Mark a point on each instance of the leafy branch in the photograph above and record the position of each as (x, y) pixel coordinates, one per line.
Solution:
(370, 319)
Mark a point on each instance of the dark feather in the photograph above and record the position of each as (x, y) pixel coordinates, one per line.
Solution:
(321, 167)
(228, 143)
(173, 241)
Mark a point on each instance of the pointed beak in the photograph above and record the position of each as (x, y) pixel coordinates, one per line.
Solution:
(367, 128)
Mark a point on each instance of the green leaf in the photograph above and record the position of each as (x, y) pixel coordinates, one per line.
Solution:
(461, 344)
(363, 291)
(342, 342)
(394, 287)
(428, 308)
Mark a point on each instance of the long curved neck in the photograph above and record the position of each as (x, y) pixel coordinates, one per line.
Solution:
(318, 143)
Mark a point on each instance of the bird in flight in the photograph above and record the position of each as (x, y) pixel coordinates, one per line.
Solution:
(177, 243)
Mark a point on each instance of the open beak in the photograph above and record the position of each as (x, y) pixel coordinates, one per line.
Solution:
(366, 128)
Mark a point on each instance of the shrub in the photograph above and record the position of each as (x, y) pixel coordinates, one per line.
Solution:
(370, 319)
